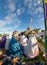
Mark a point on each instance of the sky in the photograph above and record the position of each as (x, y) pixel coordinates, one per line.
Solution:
(20, 14)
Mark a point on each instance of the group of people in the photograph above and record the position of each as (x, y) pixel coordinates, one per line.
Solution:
(19, 44)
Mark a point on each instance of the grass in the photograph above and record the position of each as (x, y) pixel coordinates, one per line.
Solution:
(40, 41)
(37, 59)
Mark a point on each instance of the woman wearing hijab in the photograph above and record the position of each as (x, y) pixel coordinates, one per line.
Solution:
(14, 48)
(33, 49)
(23, 42)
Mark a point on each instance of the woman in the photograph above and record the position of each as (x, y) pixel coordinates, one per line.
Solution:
(14, 48)
(23, 42)
(33, 49)
(2, 41)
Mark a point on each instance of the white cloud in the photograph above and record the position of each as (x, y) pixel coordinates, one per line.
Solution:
(33, 6)
(39, 16)
(2, 28)
(10, 23)
(30, 5)
(42, 19)
(31, 20)
(10, 5)
(20, 11)
(7, 29)
(39, 9)
(26, 2)
(11, 18)
(2, 23)
(38, 2)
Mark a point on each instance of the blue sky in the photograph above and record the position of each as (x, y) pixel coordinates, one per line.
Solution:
(19, 14)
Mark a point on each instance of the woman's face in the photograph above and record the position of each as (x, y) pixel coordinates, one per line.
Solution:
(15, 34)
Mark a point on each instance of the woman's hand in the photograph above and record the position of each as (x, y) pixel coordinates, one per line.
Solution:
(15, 59)
(1, 62)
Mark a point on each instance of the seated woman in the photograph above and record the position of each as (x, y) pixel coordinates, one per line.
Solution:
(2, 41)
(23, 42)
(32, 45)
(14, 48)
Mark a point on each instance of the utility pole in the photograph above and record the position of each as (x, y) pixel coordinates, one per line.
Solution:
(45, 21)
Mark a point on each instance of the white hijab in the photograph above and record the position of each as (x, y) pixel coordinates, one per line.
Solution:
(32, 46)
(23, 40)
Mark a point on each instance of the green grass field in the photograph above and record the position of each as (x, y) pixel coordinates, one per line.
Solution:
(40, 41)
